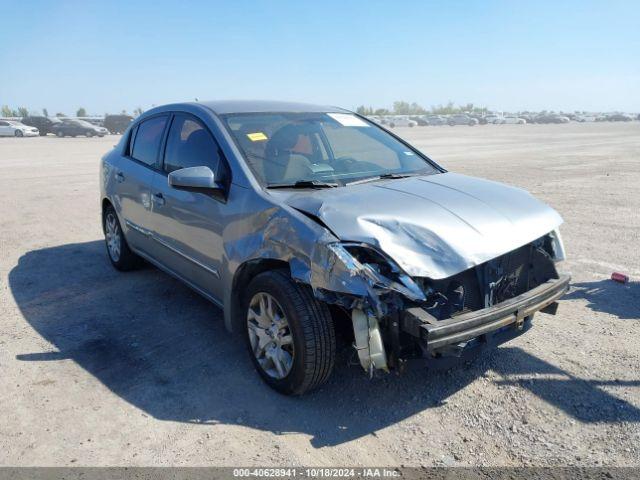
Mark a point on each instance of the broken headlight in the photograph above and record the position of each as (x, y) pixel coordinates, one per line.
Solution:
(381, 272)
(557, 246)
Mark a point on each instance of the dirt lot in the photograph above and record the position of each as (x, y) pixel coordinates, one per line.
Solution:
(103, 368)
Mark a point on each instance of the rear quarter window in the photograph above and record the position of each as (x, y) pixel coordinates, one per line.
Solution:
(146, 143)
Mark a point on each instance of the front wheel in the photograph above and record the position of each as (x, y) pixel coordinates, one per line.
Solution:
(18, 133)
(289, 333)
(60, 134)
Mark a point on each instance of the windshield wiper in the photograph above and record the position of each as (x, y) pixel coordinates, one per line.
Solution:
(384, 176)
(303, 184)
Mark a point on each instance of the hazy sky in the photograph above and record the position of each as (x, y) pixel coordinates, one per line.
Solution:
(512, 55)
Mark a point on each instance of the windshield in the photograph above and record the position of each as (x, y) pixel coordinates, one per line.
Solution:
(337, 148)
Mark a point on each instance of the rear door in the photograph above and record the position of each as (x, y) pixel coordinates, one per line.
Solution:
(133, 175)
(187, 226)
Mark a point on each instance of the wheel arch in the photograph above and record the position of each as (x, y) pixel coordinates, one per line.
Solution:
(243, 275)
(106, 203)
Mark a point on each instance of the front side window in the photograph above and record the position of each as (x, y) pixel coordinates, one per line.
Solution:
(189, 144)
(285, 148)
(147, 140)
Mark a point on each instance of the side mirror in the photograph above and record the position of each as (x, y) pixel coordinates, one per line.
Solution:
(197, 179)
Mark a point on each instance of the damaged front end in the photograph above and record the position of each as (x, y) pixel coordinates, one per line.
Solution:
(396, 317)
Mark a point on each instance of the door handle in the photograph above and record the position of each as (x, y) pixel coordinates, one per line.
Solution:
(119, 177)
(158, 198)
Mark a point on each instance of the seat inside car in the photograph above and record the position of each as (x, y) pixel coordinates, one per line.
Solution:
(284, 160)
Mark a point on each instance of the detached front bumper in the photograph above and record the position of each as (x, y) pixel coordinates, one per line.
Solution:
(505, 319)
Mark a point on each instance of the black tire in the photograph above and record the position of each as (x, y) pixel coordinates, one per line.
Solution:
(43, 134)
(126, 260)
(18, 133)
(89, 134)
(60, 134)
(310, 325)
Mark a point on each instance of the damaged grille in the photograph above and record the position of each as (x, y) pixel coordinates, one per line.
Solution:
(492, 282)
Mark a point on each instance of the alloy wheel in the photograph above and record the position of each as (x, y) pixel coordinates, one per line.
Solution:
(113, 236)
(270, 335)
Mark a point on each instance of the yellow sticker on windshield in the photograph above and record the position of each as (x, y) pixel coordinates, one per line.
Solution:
(257, 136)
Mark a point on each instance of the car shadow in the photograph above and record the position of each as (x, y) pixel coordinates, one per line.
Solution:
(621, 300)
(164, 349)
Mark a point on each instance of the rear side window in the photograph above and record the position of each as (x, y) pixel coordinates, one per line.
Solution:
(190, 144)
(147, 140)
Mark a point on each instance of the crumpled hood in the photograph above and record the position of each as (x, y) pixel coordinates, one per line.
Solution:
(432, 226)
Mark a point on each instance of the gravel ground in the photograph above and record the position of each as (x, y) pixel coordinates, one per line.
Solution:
(103, 368)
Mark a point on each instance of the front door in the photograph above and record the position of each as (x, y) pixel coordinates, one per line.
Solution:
(187, 226)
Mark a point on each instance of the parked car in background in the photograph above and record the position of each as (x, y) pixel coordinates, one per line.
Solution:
(461, 119)
(528, 117)
(69, 127)
(13, 128)
(97, 121)
(305, 222)
(117, 124)
(434, 120)
(619, 117)
(401, 121)
(43, 124)
(551, 118)
(495, 119)
(514, 120)
(419, 119)
(582, 118)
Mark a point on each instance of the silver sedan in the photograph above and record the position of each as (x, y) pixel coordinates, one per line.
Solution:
(305, 222)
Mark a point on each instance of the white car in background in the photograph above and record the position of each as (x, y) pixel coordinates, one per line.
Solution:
(401, 121)
(12, 128)
(585, 118)
(495, 119)
(514, 120)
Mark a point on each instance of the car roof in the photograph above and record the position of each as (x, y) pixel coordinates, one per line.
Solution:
(262, 106)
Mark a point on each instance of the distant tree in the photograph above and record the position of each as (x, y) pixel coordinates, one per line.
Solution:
(137, 112)
(362, 110)
(415, 109)
(23, 112)
(6, 111)
(59, 115)
(45, 112)
(124, 112)
(81, 112)
(382, 111)
(401, 107)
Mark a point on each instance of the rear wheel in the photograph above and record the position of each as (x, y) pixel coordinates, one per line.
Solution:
(121, 256)
(289, 333)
